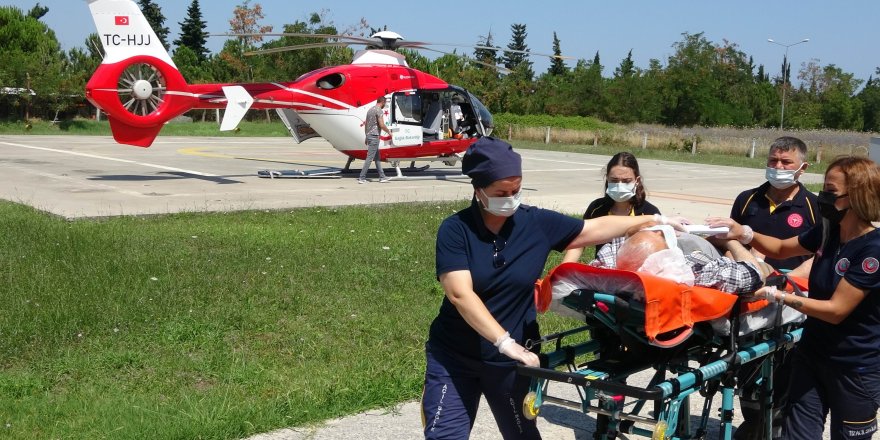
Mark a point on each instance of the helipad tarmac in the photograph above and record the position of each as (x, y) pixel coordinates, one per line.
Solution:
(90, 176)
(79, 176)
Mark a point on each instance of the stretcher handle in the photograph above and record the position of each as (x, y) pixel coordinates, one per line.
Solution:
(653, 393)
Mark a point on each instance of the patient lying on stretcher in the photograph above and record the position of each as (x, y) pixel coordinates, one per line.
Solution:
(696, 261)
(661, 252)
(689, 259)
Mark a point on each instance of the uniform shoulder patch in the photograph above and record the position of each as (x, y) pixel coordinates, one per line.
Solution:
(842, 266)
(870, 265)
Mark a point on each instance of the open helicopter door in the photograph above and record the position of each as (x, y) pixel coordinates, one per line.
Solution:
(296, 126)
(406, 124)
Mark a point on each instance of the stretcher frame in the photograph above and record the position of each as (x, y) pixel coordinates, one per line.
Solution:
(601, 379)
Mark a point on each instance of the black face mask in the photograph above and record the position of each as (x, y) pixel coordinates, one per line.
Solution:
(827, 209)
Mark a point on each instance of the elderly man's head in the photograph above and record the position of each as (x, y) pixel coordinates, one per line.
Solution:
(638, 247)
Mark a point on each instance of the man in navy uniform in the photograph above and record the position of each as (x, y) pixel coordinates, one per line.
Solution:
(782, 207)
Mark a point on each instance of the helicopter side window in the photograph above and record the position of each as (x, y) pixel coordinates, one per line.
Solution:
(406, 108)
(331, 81)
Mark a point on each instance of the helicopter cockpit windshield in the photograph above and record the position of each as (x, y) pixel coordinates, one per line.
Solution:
(483, 115)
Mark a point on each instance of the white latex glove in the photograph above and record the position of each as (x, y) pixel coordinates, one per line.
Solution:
(510, 348)
(770, 293)
(677, 222)
(741, 233)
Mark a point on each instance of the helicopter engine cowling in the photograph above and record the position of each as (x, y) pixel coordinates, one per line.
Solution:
(139, 94)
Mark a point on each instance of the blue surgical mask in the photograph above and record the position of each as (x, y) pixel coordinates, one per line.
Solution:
(621, 192)
(502, 206)
(782, 179)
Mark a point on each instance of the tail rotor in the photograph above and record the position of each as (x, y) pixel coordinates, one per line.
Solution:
(141, 89)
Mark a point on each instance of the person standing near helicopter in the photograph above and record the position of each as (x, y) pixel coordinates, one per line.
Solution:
(373, 126)
(488, 257)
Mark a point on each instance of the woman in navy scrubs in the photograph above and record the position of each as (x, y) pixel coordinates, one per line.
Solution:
(836, 365)
(488, 257)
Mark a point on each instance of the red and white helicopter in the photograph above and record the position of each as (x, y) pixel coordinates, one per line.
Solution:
(139, 88)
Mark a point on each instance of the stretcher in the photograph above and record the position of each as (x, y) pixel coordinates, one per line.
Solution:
(637, 324)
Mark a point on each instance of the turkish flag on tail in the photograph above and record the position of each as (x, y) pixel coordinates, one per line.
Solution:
(122, 20)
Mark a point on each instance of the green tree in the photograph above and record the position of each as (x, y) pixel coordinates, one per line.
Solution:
(761, 76)
(84, 62)
(245, 22)
(840, 109)
(553, 94)
(588, 87)
(870, 98)
(707, 84)
(486, 51)
(623, 96)
(30, 58)
(153, 14)
(626, 68)
(557, 64)
(293, 63)
(37, 12)
(518, 61)
(192, 32)
(735, 74)
(824, 99)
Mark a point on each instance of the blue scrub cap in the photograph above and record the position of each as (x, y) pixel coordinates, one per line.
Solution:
(489, 159)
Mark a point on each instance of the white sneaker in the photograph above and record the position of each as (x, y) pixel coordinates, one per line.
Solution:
(362, 181)
(384, 179)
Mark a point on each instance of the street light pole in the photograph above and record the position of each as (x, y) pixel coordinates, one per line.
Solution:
(784, 68)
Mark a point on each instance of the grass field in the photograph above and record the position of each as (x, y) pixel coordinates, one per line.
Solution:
(212, 326)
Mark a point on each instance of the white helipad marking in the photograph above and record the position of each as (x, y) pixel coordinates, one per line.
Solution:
(95, 156)
(595, 164)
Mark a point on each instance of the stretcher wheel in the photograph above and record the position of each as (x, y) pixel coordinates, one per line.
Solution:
(530, 411)
(659, 431)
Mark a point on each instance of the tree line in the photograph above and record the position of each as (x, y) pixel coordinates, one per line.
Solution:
(702, 83)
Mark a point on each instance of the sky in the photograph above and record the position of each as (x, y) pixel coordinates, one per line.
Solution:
(844, 33)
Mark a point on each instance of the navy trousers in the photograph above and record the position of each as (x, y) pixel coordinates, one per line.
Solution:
(453, 385)
(818, 387)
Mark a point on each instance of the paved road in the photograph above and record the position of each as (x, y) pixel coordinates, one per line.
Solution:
(76, 177)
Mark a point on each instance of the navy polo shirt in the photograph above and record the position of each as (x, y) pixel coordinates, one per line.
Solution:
(464, 243)
(790, 218)
(855, 342)
(602, 207)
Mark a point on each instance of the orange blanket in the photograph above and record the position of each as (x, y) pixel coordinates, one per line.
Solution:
(668, 305)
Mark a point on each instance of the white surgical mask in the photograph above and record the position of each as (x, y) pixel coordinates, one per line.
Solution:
(782, 179)
(502, 206)
(621, 192)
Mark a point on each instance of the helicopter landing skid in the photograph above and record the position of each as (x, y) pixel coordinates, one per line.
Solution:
(447, 160)
(298, 174)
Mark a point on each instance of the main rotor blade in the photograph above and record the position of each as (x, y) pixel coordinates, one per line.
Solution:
(499, 49)
(364, 40)
(298, 47)
(500, 69)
